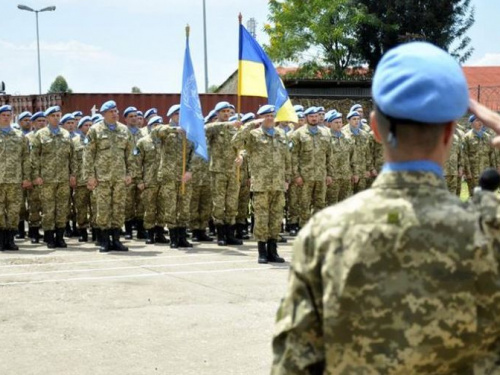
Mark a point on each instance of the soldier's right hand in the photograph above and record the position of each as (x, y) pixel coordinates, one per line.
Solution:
(488, 117)
(355, 179)
(26, 184)
(237, 124)
(299, 181)
(38, 181)
(91, 183)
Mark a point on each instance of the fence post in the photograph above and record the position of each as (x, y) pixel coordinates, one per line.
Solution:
(479, 93)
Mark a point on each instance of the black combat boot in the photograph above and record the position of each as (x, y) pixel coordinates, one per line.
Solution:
(211, 228)
(282, 239)
(96, 236)
(2, 239)
(200, 236)
(21, 232)
(49, 238)
(221, 235)
(128, 230)
(160, 236)
(116, 244)
(60, 238)
(230, 239)
(67, 232)
(262, 252)
(34, 234)
(294, 229)
(240, 232)
(183, 242)
(272, 252)
(103, 239)
(151, 236)
(141, 233)
(84, 236)
(174, 238)
(9, 243)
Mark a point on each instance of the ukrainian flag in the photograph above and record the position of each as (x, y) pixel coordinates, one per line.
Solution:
(258, 77)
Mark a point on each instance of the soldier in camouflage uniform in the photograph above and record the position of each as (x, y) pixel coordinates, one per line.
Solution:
(174, 184)
(134, 209)
(294, 191)
(311, 166)
(53, 168)
(398, 279)
(14, 177)
(108, 169)
(243, 200)
(140, 120)
(344, 162)
(224, 161)
(477, 153)
(148, 155)
(362, 141)
(269, 161)
(81, 197)
(24, 121)
(68, 123)
(201, 199)
(453, 170)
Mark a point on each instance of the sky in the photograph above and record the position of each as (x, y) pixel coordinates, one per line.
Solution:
(109, 46)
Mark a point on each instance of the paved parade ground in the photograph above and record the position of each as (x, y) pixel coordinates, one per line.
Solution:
(153, 310)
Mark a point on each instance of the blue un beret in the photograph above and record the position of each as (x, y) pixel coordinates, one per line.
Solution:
(96, 118)
(52, 110)
(420, 82)
(311, 111)
(248, 117)
(321, 109)
(37, 115)
(221, 105)
(355, 107)
(298, 108)
(352, 114)
(210, 115)
(150, 112)
(155, 120)
(5, 108)
(300, 115)
(140, 114)
(266, 109)
(78, 114)
(173, 109)
(472, 119)
(129, 110)
(66, 117)
(110, 104)
(83, 120)
(24, 115)
(334, 116)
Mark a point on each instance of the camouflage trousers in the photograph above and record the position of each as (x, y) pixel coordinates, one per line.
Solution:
(243, 204)
(11, 197)
(134, 208)
(93, 210)
(312, 197)
(81, 199)
(35, 207)
(339, 190)
(359, 186)
(55, 205)
(268, 212)
(452, 183)
(459, 186)
(200, 207)
(369, 182)
(24, 213)
(110, 204)
(154, 214)
(225, 192)
(175, 204)
(292, 203)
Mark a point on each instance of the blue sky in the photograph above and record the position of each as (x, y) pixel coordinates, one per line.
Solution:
(112, 45)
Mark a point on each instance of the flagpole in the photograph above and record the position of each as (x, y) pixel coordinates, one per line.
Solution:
(184, 146)
(238, 105)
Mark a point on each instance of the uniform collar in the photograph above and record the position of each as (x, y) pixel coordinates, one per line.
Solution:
(414, 166)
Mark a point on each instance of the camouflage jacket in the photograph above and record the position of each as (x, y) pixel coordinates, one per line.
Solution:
(377, 152)
(268, 157)
(399, 279)
(478, 154)
(200, 170)
(311, 154)
(108, 154)
(52, 156)
(79, 146)
(148, 157)
(344, 158)
(172, 153)
(14, 155)
(454, 161)
(223, 155)
(362, 143)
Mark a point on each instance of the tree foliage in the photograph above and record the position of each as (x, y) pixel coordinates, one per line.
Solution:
(59, 86)
(136, 90)
(314, 33)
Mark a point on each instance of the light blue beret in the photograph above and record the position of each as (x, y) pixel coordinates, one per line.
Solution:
(129, 110)
(266, 109)
(420, 82)
(331, 111)
(248, 117)
(298, 108)
(37, 115)
(232, 106)
(52, 110)
(334, 116)
(110, 104)
(66, 117)
(311, 111)
(150, 112)
(321, 109)
(5, 108)
(355, 107)
(210, 115)
(233, 118)
(352, 114)
(96, 118)
(83, 120)
(140, 114)
(221, 105)
(78, 113)
(15, 125)
(155, 120)
(472, 119)
(300, 115)
(24, 115)
(173, 109)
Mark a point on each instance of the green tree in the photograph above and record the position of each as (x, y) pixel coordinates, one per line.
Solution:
(59, 86)
(136, 90)
(387, 23)
(212, 89)
(318, 34)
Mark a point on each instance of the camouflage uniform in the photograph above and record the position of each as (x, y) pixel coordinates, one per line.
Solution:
(478, 155)
(34, 201)
(396, 280)
(201, 194)
(108, 158)
(311, 155)
(377, 157)
(453, 164)
(362, 142)
(345, 165)
(82, 194)
(244, 193)
(134, 209)
(52, 159)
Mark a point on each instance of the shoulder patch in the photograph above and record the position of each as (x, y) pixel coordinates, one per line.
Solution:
(393, 217)
(136, 151)
(86, 141)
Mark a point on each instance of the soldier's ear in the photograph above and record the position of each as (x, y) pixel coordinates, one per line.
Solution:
(449, 130)
(374, 126)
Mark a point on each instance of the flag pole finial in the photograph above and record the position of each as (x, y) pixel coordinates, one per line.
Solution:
(187, 30)
(240, 18)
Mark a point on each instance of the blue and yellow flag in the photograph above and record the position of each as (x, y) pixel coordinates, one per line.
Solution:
(257, 76)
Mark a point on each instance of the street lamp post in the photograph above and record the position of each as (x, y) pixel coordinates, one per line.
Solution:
(46, 9)
(205, 44)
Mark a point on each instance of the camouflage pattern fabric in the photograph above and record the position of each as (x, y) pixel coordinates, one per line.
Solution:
(175, 204)
(340, 189)
(83, 208)
(225, 192)
(453, 164)
(478, 155)
(55, 204)
(110, 204)
(244, 193)
(268, 210)
(11, 197)
(201, 194)
(35, 207)
(312, 200)
(293, 199)
(152, 200)
(362, 142)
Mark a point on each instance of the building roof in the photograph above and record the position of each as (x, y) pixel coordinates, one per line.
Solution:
(482, 75)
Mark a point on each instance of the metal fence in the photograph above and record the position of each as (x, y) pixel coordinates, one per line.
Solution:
(487, 95)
